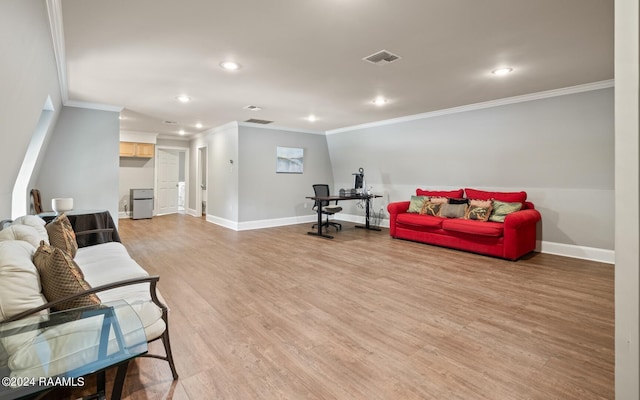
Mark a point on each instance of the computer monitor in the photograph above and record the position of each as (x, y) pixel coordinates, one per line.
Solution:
(359, 179)
(358, 184)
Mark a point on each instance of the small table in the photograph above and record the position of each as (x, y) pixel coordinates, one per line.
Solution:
(367, 199)
(104, 336)
(97, 226)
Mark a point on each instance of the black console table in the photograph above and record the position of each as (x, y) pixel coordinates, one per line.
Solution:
(91, 226)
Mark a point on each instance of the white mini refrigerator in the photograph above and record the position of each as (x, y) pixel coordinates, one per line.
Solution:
(141, 203)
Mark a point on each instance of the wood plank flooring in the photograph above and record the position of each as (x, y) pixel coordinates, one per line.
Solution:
(278, 314)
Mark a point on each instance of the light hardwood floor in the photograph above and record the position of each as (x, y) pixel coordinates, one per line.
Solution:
(278, 314)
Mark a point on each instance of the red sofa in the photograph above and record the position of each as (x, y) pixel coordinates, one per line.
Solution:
(511, 239)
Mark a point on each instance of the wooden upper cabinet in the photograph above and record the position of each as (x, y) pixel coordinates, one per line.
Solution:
(127, 149)
(144, 150)
(132, 149)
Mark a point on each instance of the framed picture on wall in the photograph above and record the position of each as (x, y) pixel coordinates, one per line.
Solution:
(289, 160)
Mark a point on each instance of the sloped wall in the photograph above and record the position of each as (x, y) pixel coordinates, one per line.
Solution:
(29, 76)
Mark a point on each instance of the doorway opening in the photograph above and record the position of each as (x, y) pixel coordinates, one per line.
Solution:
(201, 190)
(172, 177)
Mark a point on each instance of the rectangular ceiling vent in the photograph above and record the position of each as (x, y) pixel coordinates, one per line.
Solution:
(258, 121)
(382, 57)
(252, 108)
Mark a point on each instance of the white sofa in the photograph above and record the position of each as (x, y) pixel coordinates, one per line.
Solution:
(113, 276)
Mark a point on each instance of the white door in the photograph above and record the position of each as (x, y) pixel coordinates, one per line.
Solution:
(167, 181)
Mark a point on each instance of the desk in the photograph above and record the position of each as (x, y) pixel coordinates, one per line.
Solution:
(97, 226)
(367, 199)
(61, 348)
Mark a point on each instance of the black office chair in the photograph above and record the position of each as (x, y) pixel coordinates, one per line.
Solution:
(327, 209)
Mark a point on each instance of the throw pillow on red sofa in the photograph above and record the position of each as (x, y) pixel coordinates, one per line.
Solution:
(507, 197)
(440, 193)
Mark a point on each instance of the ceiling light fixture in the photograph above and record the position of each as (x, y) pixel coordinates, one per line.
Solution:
(312, 118)
(502, 71)
(230, 65)
(198, 125)
(181, 132)
(183, 98)
(379, 101)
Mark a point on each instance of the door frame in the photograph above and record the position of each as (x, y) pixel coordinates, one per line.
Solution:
(199, 172)
(155, 176)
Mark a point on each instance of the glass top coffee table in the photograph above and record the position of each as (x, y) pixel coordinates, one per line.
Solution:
(59, 349)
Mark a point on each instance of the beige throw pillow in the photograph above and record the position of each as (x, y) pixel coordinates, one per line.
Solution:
(416, 203)
(478, 210)
(60, 277)
(62, 236)
(501, 209)
(439, 200)
(430, 208)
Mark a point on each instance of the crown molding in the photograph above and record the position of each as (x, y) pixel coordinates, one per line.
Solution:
(54, 9)
(211, 131)
(478, 106)
(174, 137)
(93, 106)
(280, 128)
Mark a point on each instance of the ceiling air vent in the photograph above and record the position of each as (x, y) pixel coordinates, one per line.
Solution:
(382, 57)
(252, 108)
(258, 121)
(169, 122)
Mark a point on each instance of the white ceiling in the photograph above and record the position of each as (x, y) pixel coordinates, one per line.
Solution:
(302, 57)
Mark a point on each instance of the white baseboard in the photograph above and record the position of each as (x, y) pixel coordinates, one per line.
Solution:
(260, 224)
(560, 249)
(573, 251)
(271, 223)
(123, 214)
(192, 212)
(226, 223)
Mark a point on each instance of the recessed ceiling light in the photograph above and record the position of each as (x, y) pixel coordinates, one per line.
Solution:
(230, 65)
(198, 125)
(181, 132)
(183, 98)
(312, 118)
(502, 71)
(379, 101)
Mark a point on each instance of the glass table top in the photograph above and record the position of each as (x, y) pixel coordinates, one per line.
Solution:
(59, 349)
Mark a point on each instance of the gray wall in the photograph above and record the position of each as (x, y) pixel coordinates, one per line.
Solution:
(81, 160)
(222, 193)
(172, 142)
(29, 75)
(264, 194)
(560, 150)
(134, 173)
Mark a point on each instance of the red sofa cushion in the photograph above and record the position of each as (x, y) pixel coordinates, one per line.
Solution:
(508, 197)
(420, 220)
(440, 193)
(494, 229)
